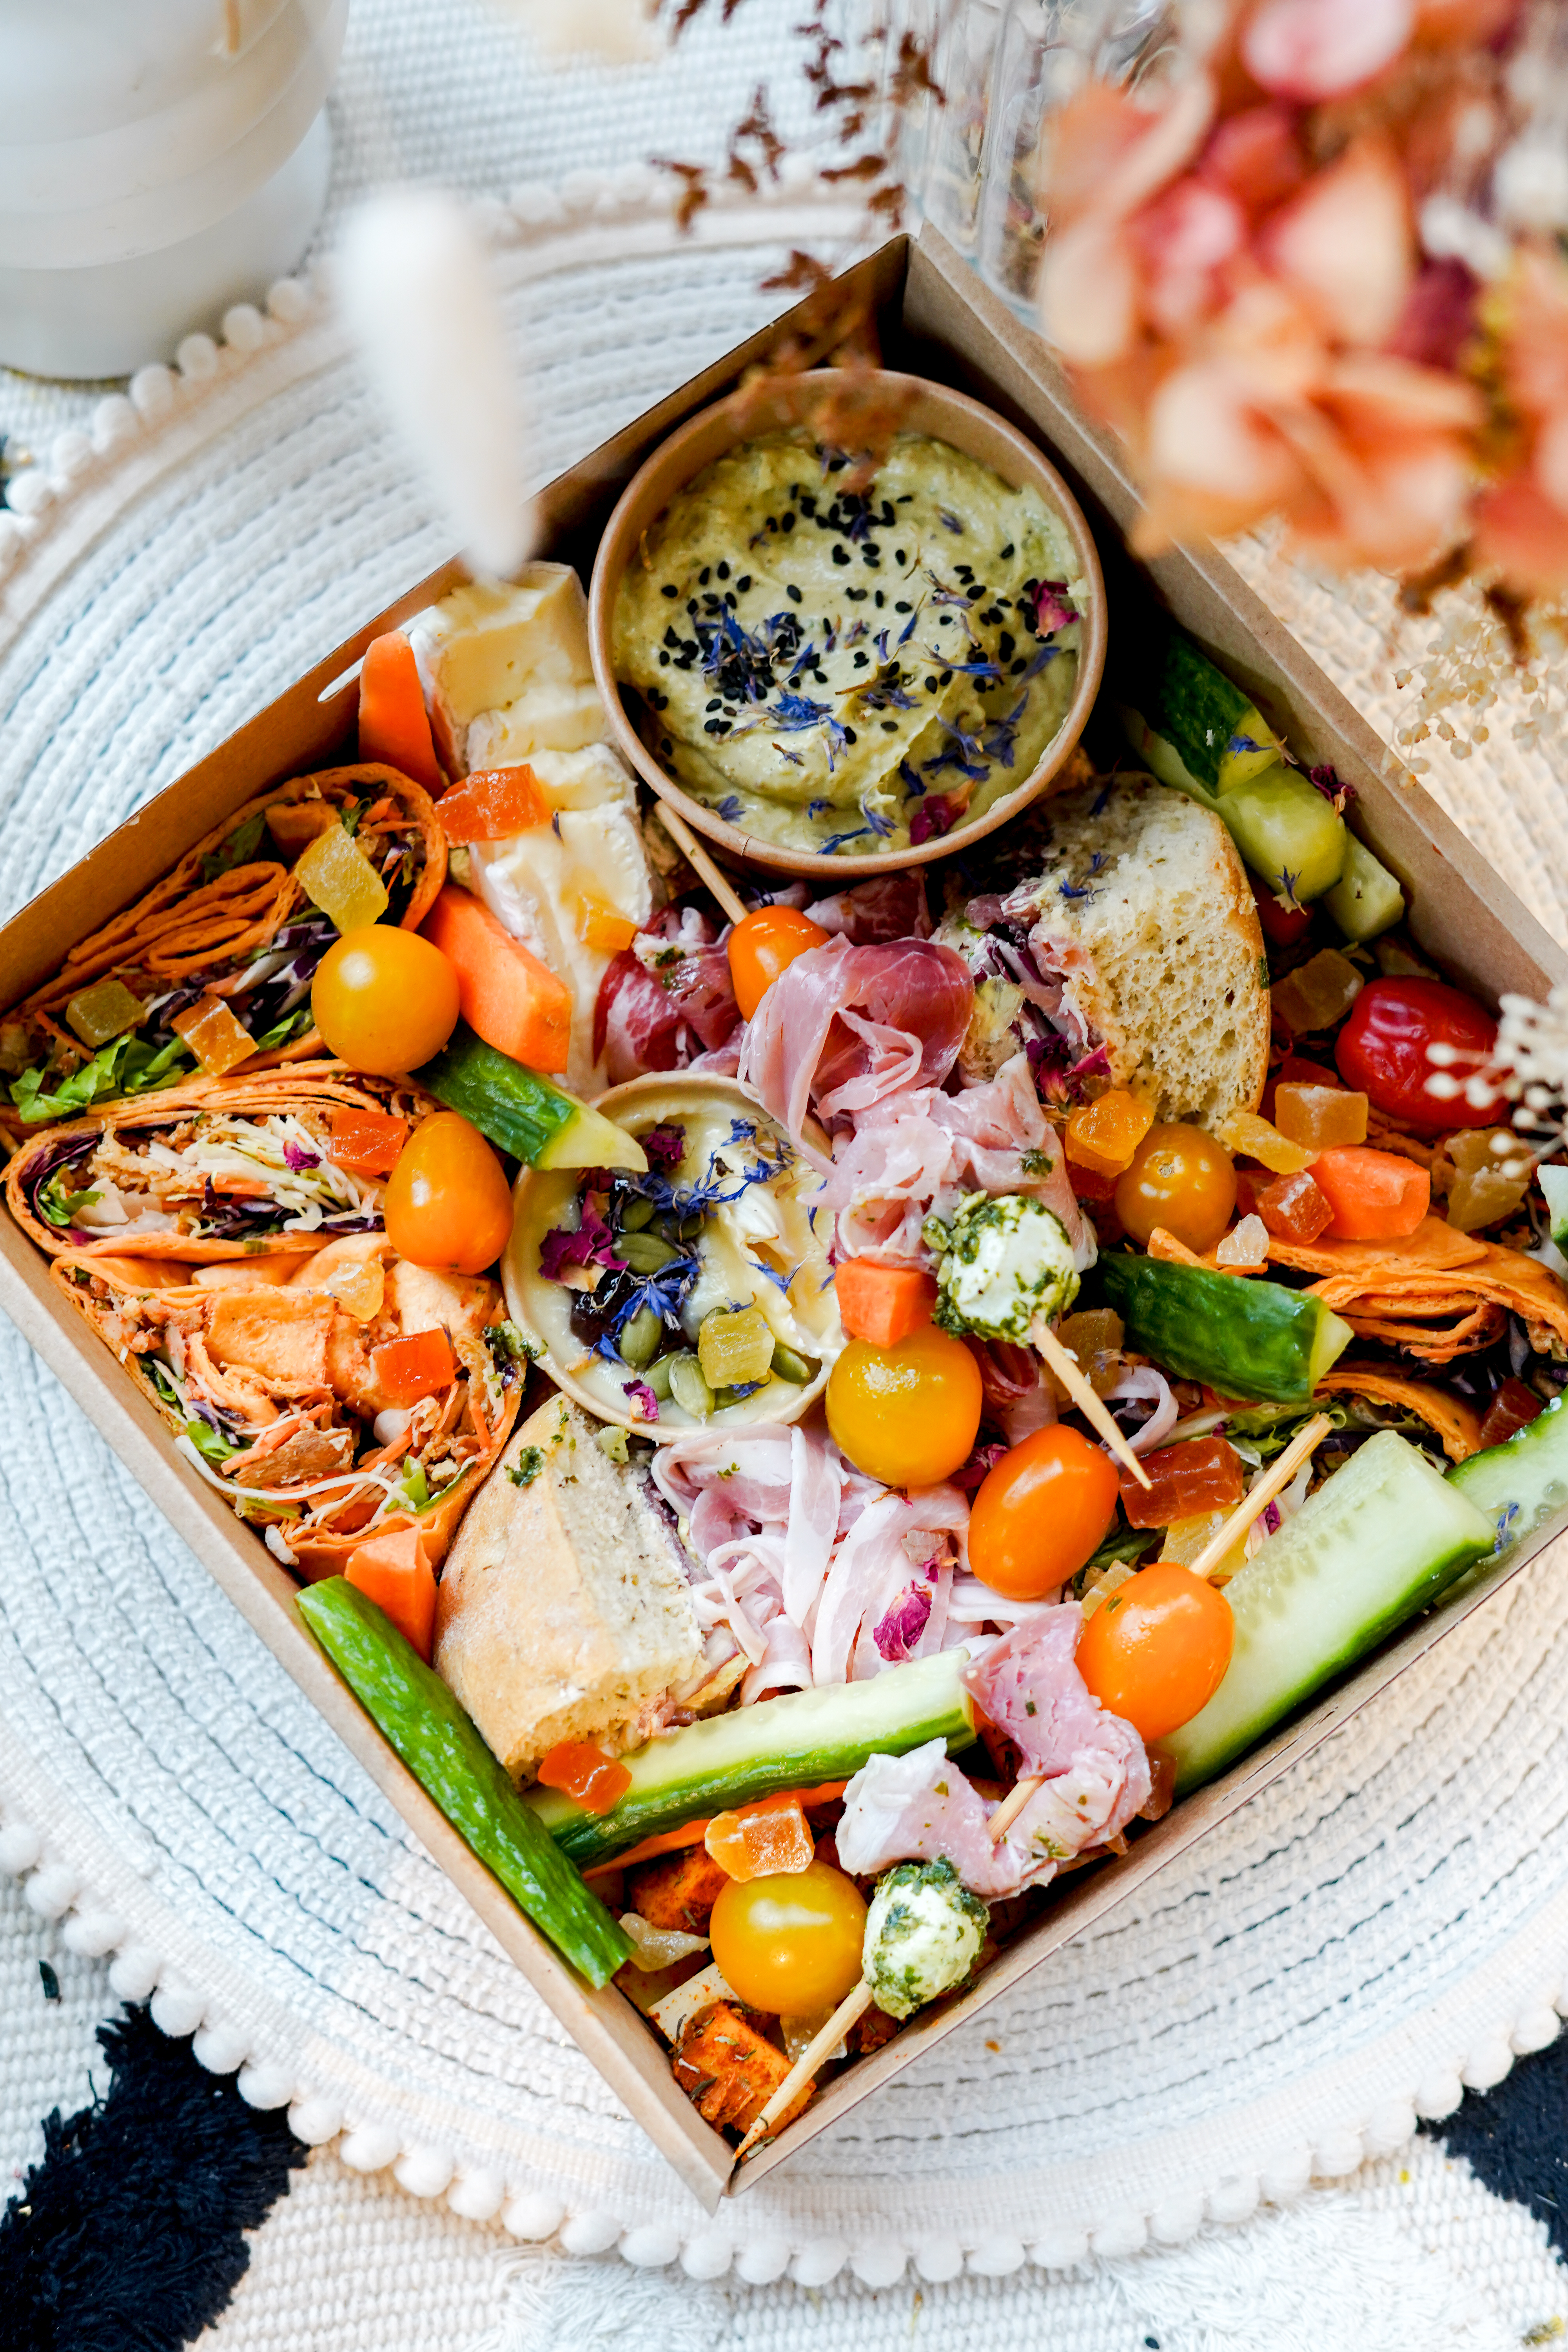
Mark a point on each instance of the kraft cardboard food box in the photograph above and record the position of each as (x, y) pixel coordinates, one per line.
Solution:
(934, 318)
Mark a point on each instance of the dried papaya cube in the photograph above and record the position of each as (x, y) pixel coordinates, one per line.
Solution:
(1318, 993)
(1319, 1118)
(767, 1843)
(217, 1040)
(366, 1142)
(105, 1010)
(494, 804)
(1203, 1474)
(419, 1366)
(335, 874)
(1103, 1135)
(1295, 1209)
(1251, 1137)
(584, 1772)
(602, 927)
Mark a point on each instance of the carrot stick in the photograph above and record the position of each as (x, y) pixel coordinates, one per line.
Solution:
(394, 724)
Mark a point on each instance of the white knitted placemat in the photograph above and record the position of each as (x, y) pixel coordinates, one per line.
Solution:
(1388, 1921)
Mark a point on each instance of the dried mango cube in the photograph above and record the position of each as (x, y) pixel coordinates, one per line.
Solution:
(1319, 1118)
(217, 1040)
(1094, 1336)
(1490, 1177)
(1188, 1540)
(767, 1843)
(1318, 993)
(602, 927)
(1251, 1137)
(105, 1010)
(419, 1366)
(335, 874)
(1104, 1134)
(359, 1287)
(734, 1346)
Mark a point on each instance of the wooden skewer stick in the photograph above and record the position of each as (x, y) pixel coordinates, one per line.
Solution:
(691, 849)
(852, 2008)
(1012, 1805)
(1092, 1407)
(1253, 1504)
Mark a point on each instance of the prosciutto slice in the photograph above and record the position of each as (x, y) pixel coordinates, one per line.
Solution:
(847, 1027)
(666, 1001)
(891, 907)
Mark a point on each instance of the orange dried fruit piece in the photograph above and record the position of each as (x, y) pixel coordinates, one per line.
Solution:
(582, 1772)
(1318, 1119)
(1251, 1137)
(366, 1142)
(1203, 1474)
(359, 1287)
(494, 804)
(335, 874)
(1318, 993)
(217, 1040)
(407, 1369)
(1103, 1135)
(763, 1843)
(602, 927)
(1294, 1209)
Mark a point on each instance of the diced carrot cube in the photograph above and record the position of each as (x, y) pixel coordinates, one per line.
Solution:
(507, 996)
(881, 1303)
(494, 804)
(365, 1142)
(407, 1369)
(395, 1571)
(761, 1845)
(394, 724)
(584, 1772)
(1376, 1196)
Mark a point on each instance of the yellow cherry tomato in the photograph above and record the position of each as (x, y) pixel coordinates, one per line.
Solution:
(909, 1414)
(384, 999)
(1182, 1179)
(1156, 1651)
(791, 1945)
(448, 1203)
(761, 945)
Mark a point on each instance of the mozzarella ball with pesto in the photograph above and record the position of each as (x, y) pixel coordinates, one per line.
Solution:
(1004, 1262)
(923, 1934)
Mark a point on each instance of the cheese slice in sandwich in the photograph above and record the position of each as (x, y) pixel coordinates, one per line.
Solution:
(1119, 928)
(564, 1611)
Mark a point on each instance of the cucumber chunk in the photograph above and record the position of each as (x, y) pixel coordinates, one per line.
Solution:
(436, 1738)
(1553, 1183)
(1222, 736)
(1522, 1483)
(1278, 820)
(1366, 899)
(1378, 1541)
(525, 1114)
(798, 1741)
(1247, 1338)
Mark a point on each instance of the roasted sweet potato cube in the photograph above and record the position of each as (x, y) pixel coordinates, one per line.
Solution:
(677, 1890)
(728, 2071)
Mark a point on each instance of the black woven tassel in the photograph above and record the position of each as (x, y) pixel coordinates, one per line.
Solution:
(127, 2236)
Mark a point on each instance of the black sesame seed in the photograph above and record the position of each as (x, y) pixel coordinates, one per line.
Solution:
(729, 598)
(670, 589)
(717, 704)
(903, 604)
(857, 595)
(898, 555)
(841, 555)
(930, 686)
(724, 569)
(1006, 644)
(663, 661)
(787, 524)
(793, 592)
(704, 576)
(889, 726)
(849, 735)
(665, 747)
(887, 514)
(906, 499)
(878, 600)
(743, 583)
(1015, 668)
(964, 570)
(671, 639)
(947, 678)
(861, 660)
(820, 675)
(1006, 552)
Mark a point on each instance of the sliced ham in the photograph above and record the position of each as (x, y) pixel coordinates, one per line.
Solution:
(1028, 1686)
(847, 1027)
(916, 1807)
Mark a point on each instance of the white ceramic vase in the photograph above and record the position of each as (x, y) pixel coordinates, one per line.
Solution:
(159, 159)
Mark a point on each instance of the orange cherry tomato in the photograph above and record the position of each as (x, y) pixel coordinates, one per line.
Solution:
(791, 1945)
(762, 944)
(907, 1415)
(1156, 1651)
(1182, 1179)
(448, 1203)
(1041, 1512)
(385, 999)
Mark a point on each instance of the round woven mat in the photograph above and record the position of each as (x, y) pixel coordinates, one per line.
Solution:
(1386, 1922)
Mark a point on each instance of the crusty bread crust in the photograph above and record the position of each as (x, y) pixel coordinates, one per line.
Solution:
(1145, 910)
(561, 1612)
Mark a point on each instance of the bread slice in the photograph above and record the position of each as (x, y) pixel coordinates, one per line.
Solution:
(563, 1612)
(1134, 899)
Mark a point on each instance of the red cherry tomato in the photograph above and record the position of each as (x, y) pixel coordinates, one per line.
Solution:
(907, 1415)
(1383, 1051)
(1156, 1651)
(448, 1203)
(763, 945)
(1281, 926)
(1041, 1512)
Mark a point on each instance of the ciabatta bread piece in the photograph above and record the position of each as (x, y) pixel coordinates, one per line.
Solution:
(563, 1612)
(1138, 918)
